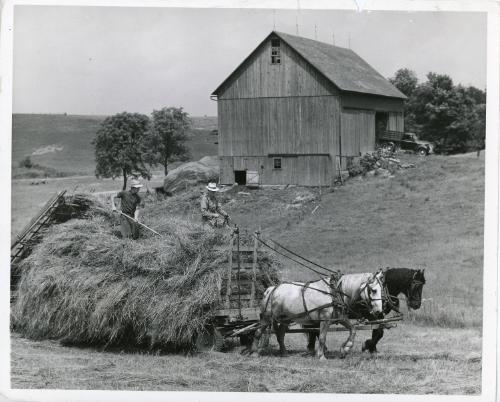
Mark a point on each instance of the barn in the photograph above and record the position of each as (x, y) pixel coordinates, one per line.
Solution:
(296, 111)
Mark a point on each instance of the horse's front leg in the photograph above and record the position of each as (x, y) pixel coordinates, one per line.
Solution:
(371, 344)
(348, 344)
(323, 331)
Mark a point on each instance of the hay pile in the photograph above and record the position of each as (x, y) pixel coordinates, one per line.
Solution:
(83, 285)
(192, 173)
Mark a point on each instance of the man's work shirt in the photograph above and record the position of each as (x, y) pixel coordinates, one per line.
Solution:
(129, 202)
(211, 212)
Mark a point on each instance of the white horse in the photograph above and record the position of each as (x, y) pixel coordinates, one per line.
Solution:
(323, 301)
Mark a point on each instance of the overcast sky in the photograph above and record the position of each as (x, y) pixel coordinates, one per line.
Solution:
(105, 60)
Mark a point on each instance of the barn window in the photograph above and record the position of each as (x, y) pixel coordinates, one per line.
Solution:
(275, 51)
(277, 163)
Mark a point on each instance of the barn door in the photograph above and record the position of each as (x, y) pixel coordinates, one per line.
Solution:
(357, 132)
(252, 178)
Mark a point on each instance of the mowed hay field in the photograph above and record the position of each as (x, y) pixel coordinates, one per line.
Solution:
(428, 217)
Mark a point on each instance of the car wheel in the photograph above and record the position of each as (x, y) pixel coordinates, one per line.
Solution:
(422, 151)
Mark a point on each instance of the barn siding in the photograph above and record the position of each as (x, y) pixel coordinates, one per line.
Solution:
(395, 122)
(358, 132)
(257, 77)
(304, 170)
(295, 125)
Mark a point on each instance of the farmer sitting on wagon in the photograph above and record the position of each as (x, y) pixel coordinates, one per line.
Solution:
(129, 203)
(211, 212)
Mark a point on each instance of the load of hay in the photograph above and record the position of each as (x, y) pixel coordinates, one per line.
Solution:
(191, 173)
(84, 285)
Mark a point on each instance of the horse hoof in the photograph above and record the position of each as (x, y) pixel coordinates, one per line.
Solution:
(322, 358)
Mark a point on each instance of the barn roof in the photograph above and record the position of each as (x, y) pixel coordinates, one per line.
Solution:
(344, 68)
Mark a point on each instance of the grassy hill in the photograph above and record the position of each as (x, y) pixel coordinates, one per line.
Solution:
(63, 142)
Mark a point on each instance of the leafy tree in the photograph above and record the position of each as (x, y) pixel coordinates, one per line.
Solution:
(478, 136)
(405, 80)
(444, 113)
(167, 135)
(450, 115)
(120, 146)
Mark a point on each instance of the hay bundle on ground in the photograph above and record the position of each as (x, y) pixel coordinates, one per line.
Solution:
(83, 285)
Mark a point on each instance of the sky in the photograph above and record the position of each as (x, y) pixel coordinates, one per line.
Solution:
(105, 60)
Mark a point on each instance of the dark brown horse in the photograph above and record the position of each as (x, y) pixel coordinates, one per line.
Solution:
(409, 282)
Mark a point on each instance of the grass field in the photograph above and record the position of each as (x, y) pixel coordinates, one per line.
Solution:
(414, 360)
(63, 142)
(428, 217)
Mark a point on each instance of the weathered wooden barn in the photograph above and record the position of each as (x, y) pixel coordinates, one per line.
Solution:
(296, 109)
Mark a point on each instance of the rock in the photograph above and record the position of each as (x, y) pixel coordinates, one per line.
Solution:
(192, 173)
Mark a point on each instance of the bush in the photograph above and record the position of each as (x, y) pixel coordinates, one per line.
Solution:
(26, 163)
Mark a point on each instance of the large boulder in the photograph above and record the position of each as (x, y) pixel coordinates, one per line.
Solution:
(191, 173)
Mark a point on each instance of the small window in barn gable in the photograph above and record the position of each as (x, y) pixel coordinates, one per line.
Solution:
(277, 163)
(275, 51)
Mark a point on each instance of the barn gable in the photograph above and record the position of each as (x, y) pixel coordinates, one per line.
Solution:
(258, 77)
(342, 68)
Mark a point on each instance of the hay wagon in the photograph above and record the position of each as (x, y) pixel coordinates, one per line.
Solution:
(247, 277)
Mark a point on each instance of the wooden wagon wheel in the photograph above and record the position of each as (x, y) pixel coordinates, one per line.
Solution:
(210, 339)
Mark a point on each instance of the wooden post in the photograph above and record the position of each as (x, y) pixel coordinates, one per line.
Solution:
(239, 267)
(254, 270)
(229, 271)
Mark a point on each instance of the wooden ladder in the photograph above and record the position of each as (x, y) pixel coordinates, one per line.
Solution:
(25, 237)
(248, 264)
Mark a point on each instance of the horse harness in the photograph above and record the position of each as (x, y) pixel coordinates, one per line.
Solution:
(409, 291)
(336, 294)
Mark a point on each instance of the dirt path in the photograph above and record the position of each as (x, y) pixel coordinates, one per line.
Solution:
(411, 360)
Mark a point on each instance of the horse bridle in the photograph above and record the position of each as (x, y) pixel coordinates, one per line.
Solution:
(369, 291)
(408, 293)
(414, 283)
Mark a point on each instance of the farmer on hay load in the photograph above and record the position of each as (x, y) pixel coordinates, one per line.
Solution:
(211, 212)
(129, 201)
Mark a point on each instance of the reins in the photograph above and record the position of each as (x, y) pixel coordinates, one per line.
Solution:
(294, 260)
(335, 290)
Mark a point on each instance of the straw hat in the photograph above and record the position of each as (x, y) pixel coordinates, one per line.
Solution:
(135, 183)
(212, 187)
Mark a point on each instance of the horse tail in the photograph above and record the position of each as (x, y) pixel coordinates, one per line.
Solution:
(267, 301)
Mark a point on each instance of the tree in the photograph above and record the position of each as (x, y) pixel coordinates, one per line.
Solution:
(405, 80)
(167, 135)
(120, 146)
(445, 113)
